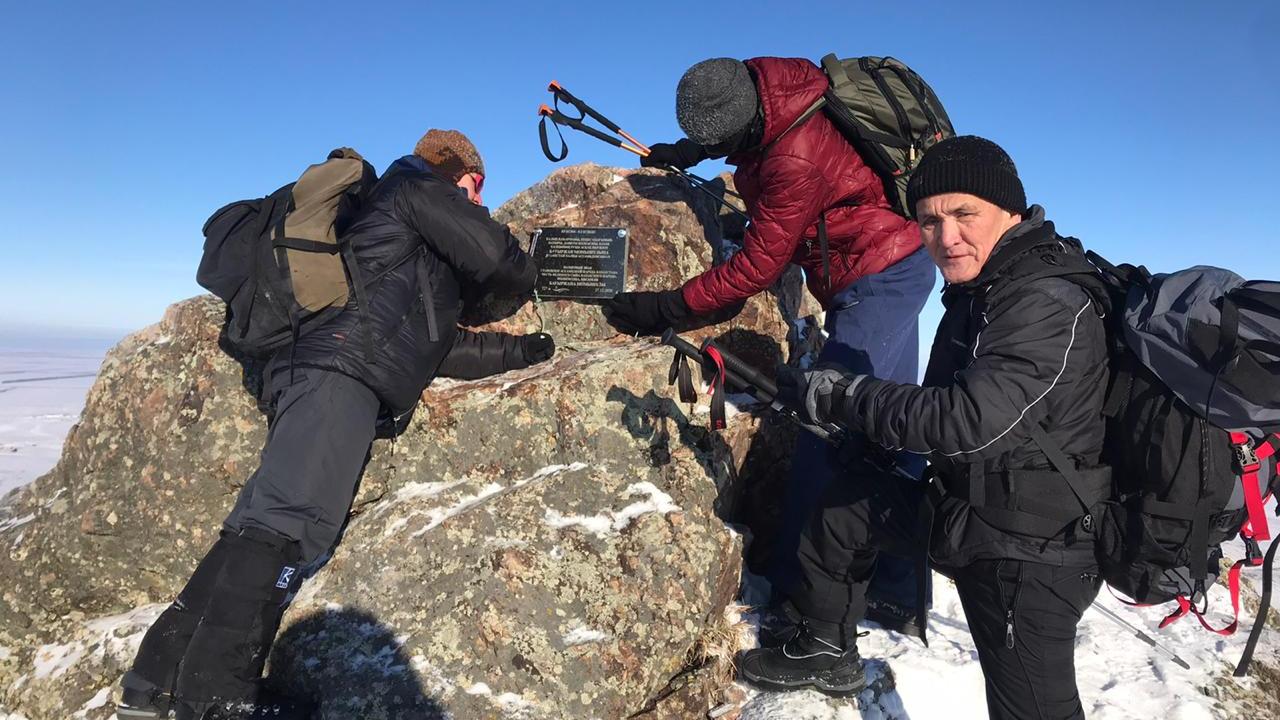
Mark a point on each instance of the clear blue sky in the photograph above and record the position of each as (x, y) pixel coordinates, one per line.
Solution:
(1147, 129)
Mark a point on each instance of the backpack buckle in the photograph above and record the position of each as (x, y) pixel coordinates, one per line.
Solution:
(1086, 523)
(1246, 457)
(1252, 551)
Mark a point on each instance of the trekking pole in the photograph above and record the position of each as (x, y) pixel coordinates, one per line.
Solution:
(626, 141)
(1138, 633)
(738, 374)
(751, 381)
(700, 183)
(586, 110)
(561, 93)
(558, 118)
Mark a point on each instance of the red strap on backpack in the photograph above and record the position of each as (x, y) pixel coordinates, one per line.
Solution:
(1253, 558)
(1250, 459)
(718, 421)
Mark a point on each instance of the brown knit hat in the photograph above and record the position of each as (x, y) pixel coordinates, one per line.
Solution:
(450, 153)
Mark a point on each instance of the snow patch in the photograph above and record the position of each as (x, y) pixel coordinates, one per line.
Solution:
(511, 703)
(580, 634)
(12, 523)
(439, 515)
(436, 516)
(52, 661)
(611, 522)
(95, 702)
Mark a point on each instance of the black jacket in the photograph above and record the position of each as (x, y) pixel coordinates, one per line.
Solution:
(1020, 347)
(418, 244)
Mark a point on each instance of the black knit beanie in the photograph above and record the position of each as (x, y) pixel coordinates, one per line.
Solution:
(967, 164)
(715, 100)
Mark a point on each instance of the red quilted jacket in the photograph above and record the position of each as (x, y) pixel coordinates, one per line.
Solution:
(798, 174)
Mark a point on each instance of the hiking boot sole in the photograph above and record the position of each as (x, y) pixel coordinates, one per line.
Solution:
(843, 687)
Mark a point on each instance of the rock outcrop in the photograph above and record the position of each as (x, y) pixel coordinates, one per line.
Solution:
(546, 543)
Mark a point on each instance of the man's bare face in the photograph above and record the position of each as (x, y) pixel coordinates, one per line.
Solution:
(471, 184)
(960, 231)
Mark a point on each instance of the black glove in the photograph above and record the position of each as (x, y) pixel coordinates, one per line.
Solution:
(812, 393)
(538, 347)
(646, 313)
(682, 154)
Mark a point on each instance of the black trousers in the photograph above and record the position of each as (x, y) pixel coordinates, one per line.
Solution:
(1022, 615)
(317, 445)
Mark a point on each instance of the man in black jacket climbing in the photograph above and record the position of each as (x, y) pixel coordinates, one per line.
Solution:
(1014, 391)
(421, 240)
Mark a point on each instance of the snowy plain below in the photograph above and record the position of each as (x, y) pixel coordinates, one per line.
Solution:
(42, 393)
(43, 383)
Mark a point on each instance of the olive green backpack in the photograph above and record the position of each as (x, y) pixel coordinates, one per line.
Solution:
(890, 116)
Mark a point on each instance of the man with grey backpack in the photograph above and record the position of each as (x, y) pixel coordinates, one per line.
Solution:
(337, 364)
(1084, 423)
(1016, 378)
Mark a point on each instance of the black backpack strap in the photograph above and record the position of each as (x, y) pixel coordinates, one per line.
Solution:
(305, 245)
(1264, 607)
(426, 291)
(825, 248)
(1228, 335)
(362, 300)
(680, 376)
(1061, 463)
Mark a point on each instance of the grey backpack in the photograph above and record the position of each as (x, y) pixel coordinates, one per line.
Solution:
(1193, 416)
(889, 114)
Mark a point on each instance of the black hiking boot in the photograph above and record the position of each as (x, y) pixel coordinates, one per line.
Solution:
(778, 624)
(806, 661)
(140, 699)
(891, 616)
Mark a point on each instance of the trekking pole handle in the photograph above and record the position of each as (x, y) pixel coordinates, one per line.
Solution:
(689, 350)
(686, 348)
(749, 380)
(743, 370)
(560, 118)
(755, 378)
(560, 92)
(586, 109)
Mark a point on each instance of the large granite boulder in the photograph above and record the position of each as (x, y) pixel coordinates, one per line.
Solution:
(547, 543)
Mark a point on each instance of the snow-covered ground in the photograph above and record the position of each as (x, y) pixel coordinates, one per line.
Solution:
(1119, 676)
(43, 382)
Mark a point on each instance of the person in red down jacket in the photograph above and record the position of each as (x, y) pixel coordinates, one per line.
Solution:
(799, 176)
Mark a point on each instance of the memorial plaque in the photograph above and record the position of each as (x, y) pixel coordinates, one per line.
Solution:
(580, 262)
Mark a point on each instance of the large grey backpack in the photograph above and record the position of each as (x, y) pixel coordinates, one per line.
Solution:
(1193, 413)
(889, 114)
